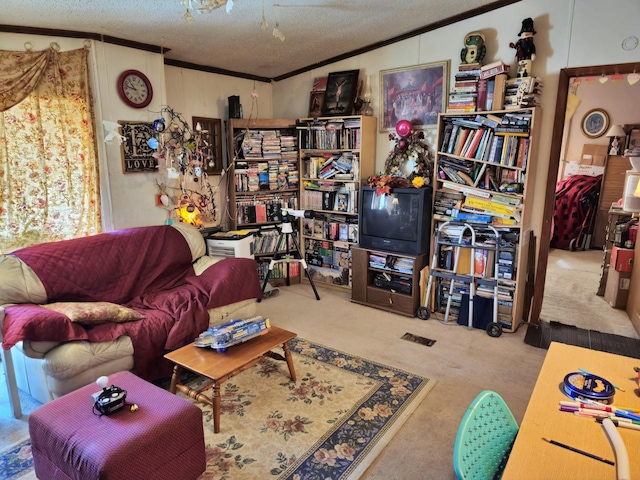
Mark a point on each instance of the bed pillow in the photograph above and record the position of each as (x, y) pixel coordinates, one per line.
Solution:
(94, 313)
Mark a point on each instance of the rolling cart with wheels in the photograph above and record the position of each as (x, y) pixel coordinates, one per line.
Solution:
(459, 235)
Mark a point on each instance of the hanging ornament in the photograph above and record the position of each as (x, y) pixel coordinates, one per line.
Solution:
(112, 131)
(404, 127)
(158, 125)
(633, 78)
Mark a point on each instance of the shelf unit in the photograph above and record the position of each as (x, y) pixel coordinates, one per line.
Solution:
(388, 281)
(263, 177)
(616, 216)
(485, 172)
(336, 155)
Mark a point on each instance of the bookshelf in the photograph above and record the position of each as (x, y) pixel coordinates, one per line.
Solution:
(263, 177)
(336, 155)
(485, 172)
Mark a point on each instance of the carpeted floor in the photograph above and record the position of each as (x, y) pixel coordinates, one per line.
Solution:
(331, 423)
(548, 332)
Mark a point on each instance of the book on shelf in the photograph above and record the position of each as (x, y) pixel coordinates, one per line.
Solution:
(498, 91)
(489, 207)
(469, 66)
(493, 69)
(481, 100)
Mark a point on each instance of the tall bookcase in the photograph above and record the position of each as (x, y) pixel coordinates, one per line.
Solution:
(337, 154)
(263, 177)
(485, 173)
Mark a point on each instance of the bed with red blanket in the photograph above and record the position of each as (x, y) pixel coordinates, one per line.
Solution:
(160, 273)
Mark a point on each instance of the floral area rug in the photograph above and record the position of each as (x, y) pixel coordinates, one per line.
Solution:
(331, 423)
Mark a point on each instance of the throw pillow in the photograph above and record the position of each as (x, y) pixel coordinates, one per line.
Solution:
(94, 313)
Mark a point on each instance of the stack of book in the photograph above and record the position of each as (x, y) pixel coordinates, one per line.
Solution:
(445, 202)
(465, 90)
(253, 147)
(522, 92)
(491, 86)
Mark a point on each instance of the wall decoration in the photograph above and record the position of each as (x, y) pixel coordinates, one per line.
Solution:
(137, 155)
(340, 93)
(595, 123)
(316, 99)
(319, 84)
(633, 137)
(416, 94)
(208, 133)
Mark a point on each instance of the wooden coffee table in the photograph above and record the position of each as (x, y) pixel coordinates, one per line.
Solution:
(220, 367)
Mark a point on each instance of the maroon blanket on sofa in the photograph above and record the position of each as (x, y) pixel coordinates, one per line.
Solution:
(110, 267)
(175, 309)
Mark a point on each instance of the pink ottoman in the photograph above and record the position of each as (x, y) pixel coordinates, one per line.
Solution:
(164, 439)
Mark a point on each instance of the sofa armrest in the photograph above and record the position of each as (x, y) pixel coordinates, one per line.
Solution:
(36, 349)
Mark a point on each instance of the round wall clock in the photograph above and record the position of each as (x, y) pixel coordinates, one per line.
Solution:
(595, 123)
(135, 88)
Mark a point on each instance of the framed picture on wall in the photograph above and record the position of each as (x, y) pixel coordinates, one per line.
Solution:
(137, 155)
(595, 122)
(633, 136)
(340, 94)
(415, 93)
(316, 99)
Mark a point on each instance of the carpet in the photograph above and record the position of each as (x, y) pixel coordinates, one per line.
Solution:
(548, 332)
(331, 423)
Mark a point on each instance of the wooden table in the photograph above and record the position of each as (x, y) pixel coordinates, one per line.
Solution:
(220, 367)
(534, 458)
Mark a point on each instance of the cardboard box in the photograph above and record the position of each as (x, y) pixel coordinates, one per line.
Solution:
(617, 289)
(621, 259)
(594, 154)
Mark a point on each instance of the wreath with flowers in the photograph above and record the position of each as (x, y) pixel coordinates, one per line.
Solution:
(410, 162)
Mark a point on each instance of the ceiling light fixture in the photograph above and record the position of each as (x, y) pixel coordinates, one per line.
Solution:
(204, 6)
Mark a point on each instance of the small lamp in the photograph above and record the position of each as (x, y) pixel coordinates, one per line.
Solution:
(631, 196)
(189, 212)
(615, 131)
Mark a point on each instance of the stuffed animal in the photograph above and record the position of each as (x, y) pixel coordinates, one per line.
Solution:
(474, 49)
(525, 49)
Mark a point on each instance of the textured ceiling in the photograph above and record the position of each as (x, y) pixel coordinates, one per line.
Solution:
(315, 30)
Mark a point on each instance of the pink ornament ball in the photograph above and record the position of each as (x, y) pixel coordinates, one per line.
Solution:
(404, 127)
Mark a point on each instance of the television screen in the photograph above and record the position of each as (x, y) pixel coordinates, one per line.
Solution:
(398, 221)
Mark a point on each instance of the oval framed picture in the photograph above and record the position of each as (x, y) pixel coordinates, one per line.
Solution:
(595, 123)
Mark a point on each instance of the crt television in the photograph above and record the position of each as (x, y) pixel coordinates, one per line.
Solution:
(398, 222)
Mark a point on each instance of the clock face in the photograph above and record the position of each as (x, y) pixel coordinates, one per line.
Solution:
(135, 89)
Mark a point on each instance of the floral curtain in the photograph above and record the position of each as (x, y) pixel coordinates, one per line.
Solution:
(48, 157)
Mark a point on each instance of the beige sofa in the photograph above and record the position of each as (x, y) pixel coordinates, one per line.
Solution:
(47, 369)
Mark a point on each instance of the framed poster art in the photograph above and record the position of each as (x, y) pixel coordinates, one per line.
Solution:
(340, 93)
(417, 94)
(632, 141)
(316, 99)
(137, 155)
(595, 123)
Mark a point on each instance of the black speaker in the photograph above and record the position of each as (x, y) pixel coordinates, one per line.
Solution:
(234, 106)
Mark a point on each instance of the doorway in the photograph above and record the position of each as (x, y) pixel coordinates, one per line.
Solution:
(543, 265)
